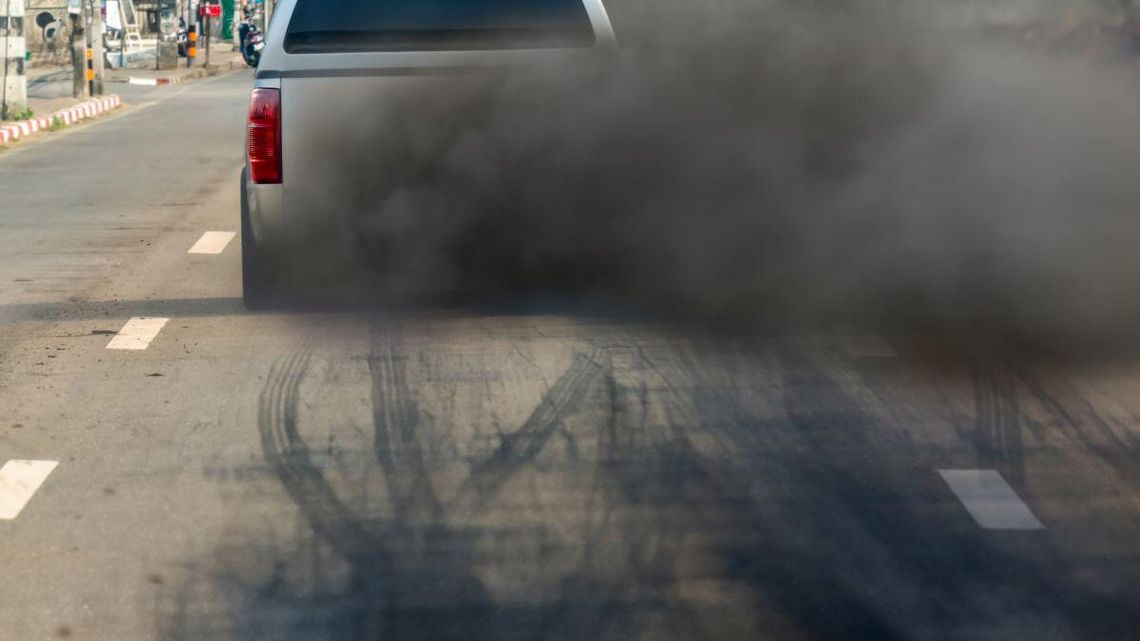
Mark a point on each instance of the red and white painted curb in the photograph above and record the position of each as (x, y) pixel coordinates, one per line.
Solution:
(70, 116)
(153, 82)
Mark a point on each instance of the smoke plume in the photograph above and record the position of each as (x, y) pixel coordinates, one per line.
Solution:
(759, 163)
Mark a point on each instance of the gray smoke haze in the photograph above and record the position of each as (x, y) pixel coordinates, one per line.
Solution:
(756, 163)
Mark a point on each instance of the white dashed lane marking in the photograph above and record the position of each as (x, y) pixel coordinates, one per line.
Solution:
(212, 242)
(19, 480)
(990, 500)
(137, 333)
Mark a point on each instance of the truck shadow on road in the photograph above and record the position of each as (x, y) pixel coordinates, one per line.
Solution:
(121, 309)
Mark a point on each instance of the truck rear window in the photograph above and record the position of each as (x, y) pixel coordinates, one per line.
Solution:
(340, 26)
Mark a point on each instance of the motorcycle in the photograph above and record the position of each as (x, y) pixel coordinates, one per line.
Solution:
(251, 41)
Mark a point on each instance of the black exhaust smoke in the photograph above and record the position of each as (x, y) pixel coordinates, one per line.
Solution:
(758, 164)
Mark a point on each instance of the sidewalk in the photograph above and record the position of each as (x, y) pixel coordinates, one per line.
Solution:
(51, 104)
(49, 89)
(222, 60)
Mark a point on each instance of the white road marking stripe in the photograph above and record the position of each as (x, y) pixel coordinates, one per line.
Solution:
(137, 333)
(870, 348)
(212, 242)
(19, 480)
(990, 500)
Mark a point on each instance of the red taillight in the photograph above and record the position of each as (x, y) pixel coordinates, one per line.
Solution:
(264, 136)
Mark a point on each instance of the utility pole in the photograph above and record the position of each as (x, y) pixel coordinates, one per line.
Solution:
(206, 33)
(166, 49)
(122, 36)
(89, 48)
(13, 82)
(191, 44)
(97, 46)
(78, 49)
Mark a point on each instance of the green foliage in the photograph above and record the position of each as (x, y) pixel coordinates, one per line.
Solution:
(56, 124)
(23, 114)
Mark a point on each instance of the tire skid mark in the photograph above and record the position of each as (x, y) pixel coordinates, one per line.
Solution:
(778, 570)
(658, 491)
(985, 579)
(997, 419)
(634, 486)
(845, 492)
(587, 605)
(998, 433)
(1075, 414)
(321, 507)
(520, 447)
(287, 453)
(395, 418)
(398, 563)
(392, 575)
(1079, 423)
(682, 496)
(876, 493)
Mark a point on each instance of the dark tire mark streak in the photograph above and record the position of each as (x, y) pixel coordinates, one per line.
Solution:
(997, 422)
(330, 519)
(814, 553)
(411, 575)
(395, 420)
(398, 573)
(638, 491)
(951, 576)
(1076, 416)
(769, 549)
(519, 448)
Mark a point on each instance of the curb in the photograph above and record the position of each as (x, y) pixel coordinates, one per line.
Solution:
(193, 74)
(163, 81)
(153, 82)
(69, 116)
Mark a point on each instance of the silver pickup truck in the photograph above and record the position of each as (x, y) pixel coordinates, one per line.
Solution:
(329, 67)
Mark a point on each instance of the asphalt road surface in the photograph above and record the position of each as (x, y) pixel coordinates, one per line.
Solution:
(448, 475)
